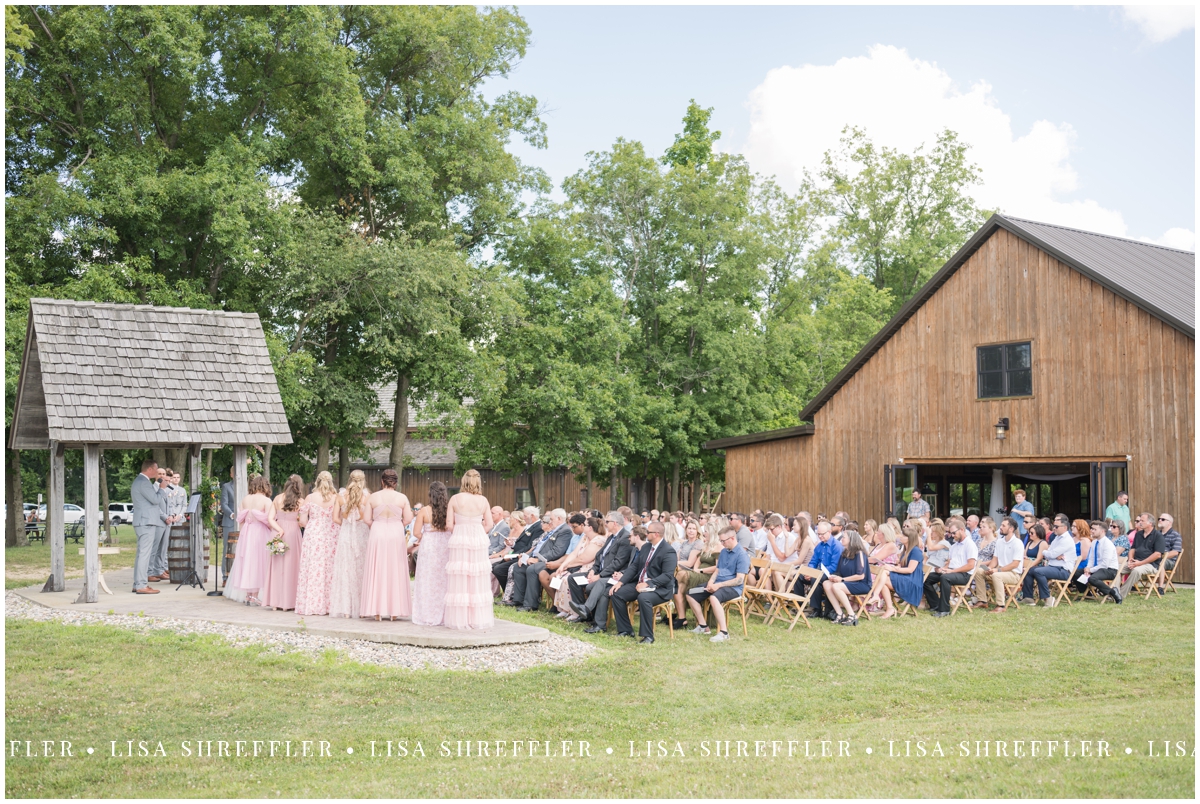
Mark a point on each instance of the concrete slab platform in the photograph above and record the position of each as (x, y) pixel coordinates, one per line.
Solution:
(193, 604)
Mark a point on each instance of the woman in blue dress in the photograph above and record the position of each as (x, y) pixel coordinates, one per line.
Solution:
(907, 578)
(853, 577)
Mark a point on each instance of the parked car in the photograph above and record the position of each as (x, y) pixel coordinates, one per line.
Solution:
(71, 513)
(120, 513)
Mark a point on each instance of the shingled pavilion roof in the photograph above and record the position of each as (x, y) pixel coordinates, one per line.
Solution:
(123, 375)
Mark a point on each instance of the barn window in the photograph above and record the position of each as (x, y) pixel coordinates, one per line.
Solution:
(1005, 370)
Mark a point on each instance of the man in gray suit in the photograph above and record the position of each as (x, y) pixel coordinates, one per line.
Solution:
(527, 590)
(229, 524)
(148, 519)
(499, 531)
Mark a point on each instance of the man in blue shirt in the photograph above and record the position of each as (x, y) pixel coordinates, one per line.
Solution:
(729, 576)
(1021, 507)
(825, 557)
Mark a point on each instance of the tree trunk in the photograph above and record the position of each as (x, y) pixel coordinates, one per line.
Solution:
(266, 463)
(160, 456)
(107, 539)
(693, 506)
(14, 523)
(177, 461)
(676, 492)
(591, 503)
(399, 424)
(207, 465)
(323, 451)
(343, 466)
(541, 487)
(614, 493)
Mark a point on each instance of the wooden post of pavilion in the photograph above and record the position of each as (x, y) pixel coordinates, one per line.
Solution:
(198, 517)
(54, 520)
(91, 529)
(240, 489)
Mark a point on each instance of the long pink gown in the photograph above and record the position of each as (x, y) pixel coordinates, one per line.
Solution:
(283, 571)
(249, 570)
(316, 561)
(385, 589)
(468, 573)
(429, 598)
(348, 565)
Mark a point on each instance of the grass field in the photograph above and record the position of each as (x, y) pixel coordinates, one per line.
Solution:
(1122, 674)
(24, 566)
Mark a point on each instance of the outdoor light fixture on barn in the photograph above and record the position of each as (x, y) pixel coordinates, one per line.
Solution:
(1002, 428)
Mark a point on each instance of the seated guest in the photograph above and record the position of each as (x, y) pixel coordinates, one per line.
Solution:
(961, 561)
(725, 584)
(592, 594)
(1027, 521)
(639, 541)
(826, 557)
(1005, 565)
(577, 522)
(1149, 546)
(1081, 534)
(578, 562)
(696, 571)
(1116, 532)
(1099, 564)
(498, 533)
(985, 540)
(1060, 561)
(883, 548)
(973, 522)
(521, 544)
(1172, 541)
(806, 537)
(650, 580)
(552, 545)
(937, 548)
(745, 536)
(906, 577)
(853, 577)
(758, 533)
(781, 547)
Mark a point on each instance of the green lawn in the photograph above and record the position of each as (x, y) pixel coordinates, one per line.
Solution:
(1123, 674)
(24, 566)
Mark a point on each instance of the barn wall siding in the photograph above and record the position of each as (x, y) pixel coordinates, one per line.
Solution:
(1109, 380)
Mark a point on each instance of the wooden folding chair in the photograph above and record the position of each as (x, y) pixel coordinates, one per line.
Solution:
(1011, 589)
(1169, 575)
(1059, 588)
(909, 608)
(771, 596)
(755, 589)
(739, 602)
(667, 608)
(789, 603)
(959, 591)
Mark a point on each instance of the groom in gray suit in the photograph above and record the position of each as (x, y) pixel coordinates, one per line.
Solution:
(148, 519)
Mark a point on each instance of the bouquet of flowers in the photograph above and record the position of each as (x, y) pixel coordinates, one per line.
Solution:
(277, 546)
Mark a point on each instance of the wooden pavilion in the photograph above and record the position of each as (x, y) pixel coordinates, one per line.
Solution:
(118, 376)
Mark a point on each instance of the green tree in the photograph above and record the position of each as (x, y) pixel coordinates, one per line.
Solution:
(899, 217)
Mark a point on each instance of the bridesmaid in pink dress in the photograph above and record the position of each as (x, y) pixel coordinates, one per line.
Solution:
(249, 570)
(429, 599)
(468, 571)
(321, 516)
(385, 589)
(279, 591)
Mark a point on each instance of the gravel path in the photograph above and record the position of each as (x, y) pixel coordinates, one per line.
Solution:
(501, 658)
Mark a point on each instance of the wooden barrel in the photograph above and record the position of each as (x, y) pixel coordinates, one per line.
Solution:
(179, 554)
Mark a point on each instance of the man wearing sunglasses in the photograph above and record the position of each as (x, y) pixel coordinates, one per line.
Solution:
(1148, 549)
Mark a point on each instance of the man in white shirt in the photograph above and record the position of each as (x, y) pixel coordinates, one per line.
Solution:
(1099, 565)
(1005, 566)
(758, 533)
(957, 572)
(1060, 562)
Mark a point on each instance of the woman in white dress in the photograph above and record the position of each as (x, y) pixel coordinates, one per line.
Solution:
(345, 594)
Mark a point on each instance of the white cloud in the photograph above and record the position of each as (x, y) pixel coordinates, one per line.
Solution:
(1160, 23)
(1178, 238)
(798, 113)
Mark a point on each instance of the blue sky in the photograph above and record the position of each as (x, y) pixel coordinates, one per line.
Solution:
(1077, 114)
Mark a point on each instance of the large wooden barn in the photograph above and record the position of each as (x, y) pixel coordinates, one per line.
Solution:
(1039, 356)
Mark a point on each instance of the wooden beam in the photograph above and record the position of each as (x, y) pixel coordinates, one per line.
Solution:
(239, 475)
(54, 520)
(198, 517)
(91, 530)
